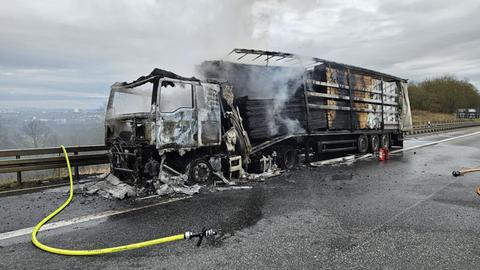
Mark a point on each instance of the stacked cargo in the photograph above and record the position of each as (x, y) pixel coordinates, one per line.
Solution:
(351, 100)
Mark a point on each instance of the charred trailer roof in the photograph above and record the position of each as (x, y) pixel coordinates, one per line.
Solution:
(274, 58)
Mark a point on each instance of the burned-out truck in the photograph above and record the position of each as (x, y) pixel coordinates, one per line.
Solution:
(252, 110)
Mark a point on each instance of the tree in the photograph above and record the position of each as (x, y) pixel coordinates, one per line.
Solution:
(445, 94)
(38, 131)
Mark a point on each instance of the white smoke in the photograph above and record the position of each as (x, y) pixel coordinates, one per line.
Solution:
(282, 87)
(278, 88)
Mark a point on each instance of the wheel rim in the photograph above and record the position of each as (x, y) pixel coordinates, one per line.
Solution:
(375, 141)
(362, 144)
(201, 172)
(385, 141)
(290, 159)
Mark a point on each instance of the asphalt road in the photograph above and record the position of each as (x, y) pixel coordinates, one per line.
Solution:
(405, 213)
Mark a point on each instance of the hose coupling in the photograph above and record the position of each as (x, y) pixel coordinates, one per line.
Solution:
(204, 233)
(210, 232)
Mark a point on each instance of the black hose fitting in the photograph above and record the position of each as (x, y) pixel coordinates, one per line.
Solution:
(456, 173)
(204, 233)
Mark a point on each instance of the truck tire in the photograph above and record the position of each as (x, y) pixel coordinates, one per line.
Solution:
(374, 143)
(362, 144)
(200, 172)
(287, 157)
(385, 141)
(290, 159)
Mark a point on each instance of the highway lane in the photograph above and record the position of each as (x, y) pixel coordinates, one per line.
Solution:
(406, 213)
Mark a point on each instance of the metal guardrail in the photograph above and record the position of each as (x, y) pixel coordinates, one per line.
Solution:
(11, 160)
(428, 127)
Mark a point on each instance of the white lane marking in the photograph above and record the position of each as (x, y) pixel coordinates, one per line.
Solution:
(433, 143)
(64, 223)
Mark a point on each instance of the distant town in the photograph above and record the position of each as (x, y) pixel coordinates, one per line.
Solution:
(31, 127)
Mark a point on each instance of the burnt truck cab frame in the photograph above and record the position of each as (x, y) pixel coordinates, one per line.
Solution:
(163, 118)
(187, 115)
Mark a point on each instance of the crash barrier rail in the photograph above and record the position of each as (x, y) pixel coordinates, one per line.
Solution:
(11, 160)
(50, 158)
(428, 127)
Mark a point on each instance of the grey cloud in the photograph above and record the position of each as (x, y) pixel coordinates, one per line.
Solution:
(84, 46)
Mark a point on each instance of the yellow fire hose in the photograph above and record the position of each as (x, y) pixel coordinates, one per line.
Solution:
(71, 252)
(465, 171)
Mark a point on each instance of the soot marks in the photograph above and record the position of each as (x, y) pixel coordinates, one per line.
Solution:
(341, 243)
(247, 216)
(341, 176)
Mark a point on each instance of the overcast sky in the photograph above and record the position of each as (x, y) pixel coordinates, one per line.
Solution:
(66, 54)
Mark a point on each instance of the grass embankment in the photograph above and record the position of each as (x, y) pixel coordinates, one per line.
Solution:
(419, 116)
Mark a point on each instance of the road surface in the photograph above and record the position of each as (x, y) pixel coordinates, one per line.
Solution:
(405, 213)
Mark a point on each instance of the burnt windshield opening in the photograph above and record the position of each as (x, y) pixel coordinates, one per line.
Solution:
(125, 101)
(175, 95)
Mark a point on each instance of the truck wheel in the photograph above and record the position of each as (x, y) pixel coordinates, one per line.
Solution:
(362, 144)
(290, 159)
(200, 171)
(287, 157)
(374, 143)
(385, 141)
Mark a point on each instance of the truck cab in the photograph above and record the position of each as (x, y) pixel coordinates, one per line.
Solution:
(161, 119)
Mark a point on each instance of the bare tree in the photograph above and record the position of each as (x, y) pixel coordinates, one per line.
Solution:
(38, 131)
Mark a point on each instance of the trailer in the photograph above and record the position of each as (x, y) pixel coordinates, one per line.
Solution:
(252, 111)
(294, 102)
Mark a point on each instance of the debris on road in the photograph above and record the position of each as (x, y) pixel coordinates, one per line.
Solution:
(232, 188)
(168, 184)
(110, 187)
(263, 176)
(349, 158)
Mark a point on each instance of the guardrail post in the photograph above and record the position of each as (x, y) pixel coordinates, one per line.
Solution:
(19, 174)
(76, 166)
